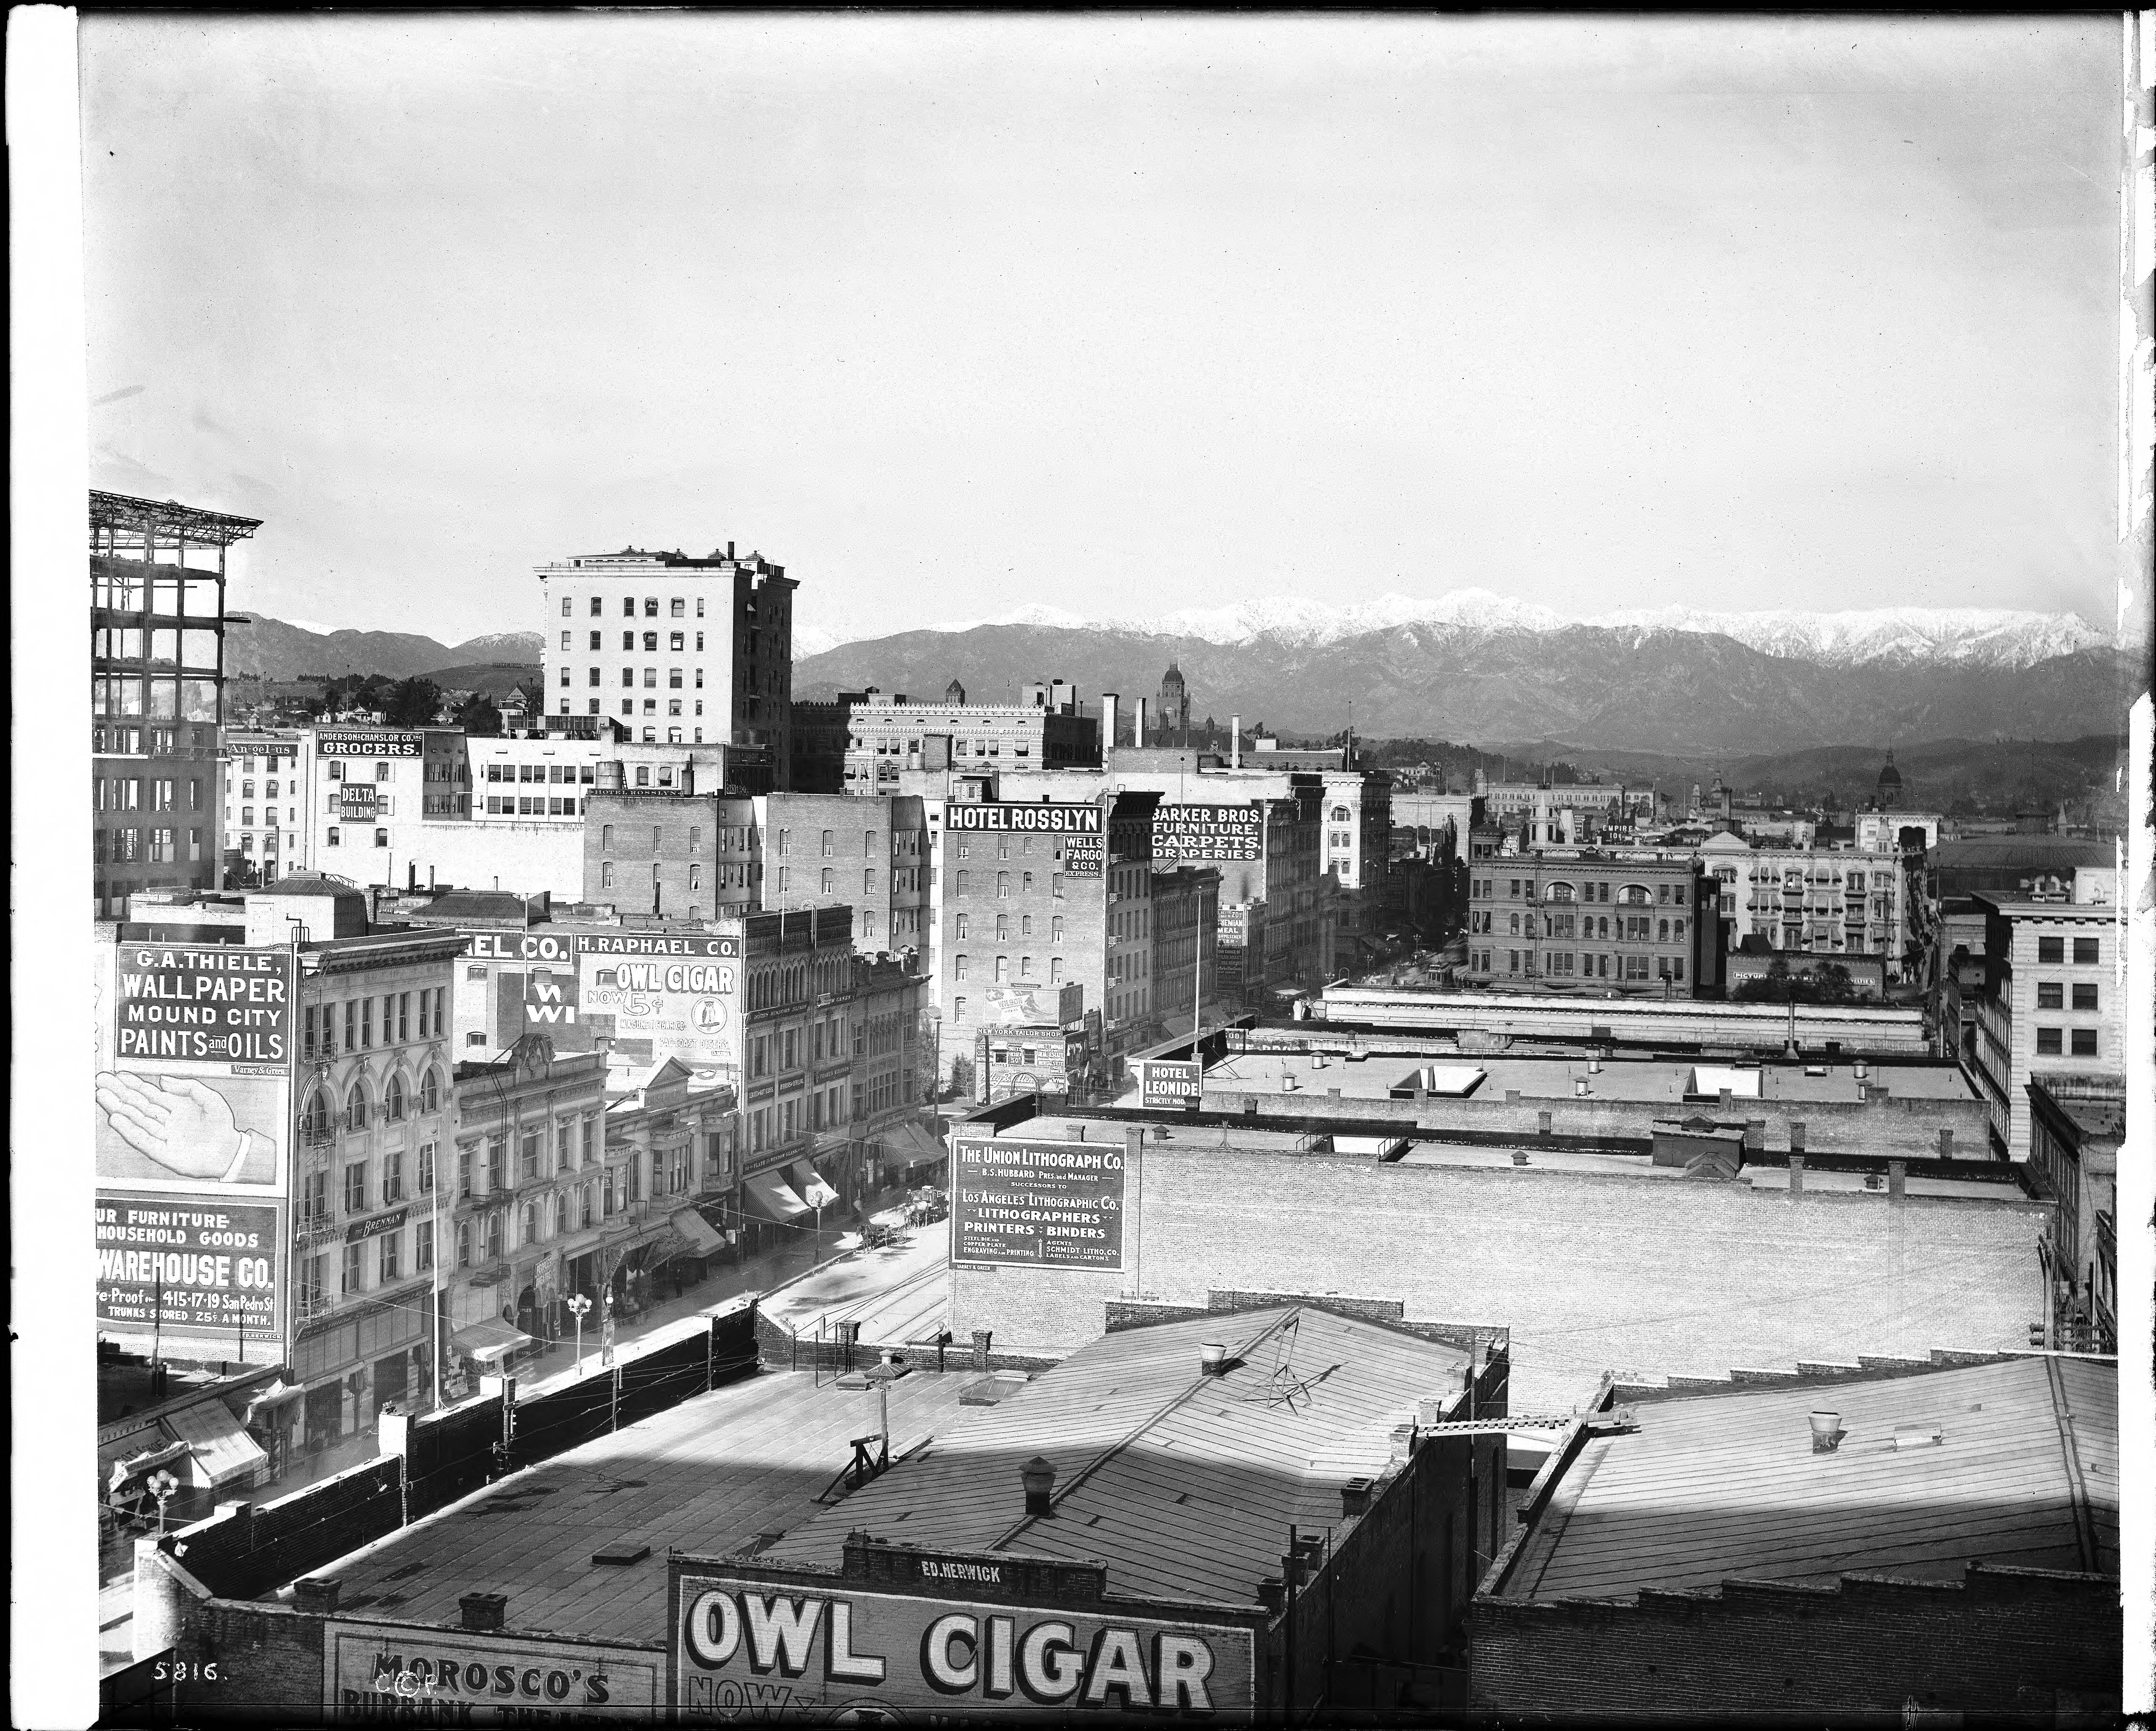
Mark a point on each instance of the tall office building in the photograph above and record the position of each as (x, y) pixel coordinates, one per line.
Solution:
(157, 649)
(677, 649)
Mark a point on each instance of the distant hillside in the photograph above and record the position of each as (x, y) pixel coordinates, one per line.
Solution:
(272, 648)
(497, 678)
(1626, 688)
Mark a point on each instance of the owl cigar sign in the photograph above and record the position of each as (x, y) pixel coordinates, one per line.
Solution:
(907, 1636)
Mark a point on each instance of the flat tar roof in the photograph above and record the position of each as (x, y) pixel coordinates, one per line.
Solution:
(1595, 1270)
(1727, 1486)
(711, 1475)
(1184, 1485)
(1660, 1081)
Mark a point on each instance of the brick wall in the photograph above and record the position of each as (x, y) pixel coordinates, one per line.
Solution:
(242, 1549)
(2004, 1640)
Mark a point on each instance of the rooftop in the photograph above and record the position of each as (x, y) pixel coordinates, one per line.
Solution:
(1183, 1484)
(1726, 1486)
(1600, 1270)
(2052, 852)
(168, 520)
(713, 1475)
(1659, 1081)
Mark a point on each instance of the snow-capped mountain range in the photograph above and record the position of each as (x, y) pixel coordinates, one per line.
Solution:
(2002, 636)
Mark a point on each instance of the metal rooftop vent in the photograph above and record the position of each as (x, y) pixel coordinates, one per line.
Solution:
(1826, 1432)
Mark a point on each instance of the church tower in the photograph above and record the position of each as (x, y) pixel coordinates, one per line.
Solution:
(1174, 703)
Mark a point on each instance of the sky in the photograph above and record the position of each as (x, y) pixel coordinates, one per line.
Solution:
(951, 314)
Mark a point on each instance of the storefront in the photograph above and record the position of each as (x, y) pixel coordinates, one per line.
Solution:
(910, 1156)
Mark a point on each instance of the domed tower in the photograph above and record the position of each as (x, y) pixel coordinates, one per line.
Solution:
(1890, 785)
(1174, 702)
(954, 693)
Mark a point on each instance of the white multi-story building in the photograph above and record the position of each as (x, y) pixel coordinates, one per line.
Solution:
(1818, 902)
(681, 651)
(265, 809)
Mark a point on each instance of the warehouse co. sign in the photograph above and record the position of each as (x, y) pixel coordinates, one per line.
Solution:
(752, 1650)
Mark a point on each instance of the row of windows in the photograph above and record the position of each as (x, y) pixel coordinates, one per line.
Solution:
(2085, 1042)
(962, 884)
(127, 793)
(130, 847)
(651, 734)
(2050, 995)
(335, 838)
(531, 805)
(582, 772)
(2054, 950)
(674, 640)
(1626, 895)
(1025, 970)
(1624, 927)
(318, 1022)
(675, 607)
(962, 926)
(1565, 964)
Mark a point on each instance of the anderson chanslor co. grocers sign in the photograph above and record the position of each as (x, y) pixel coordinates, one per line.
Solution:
(928, 1637)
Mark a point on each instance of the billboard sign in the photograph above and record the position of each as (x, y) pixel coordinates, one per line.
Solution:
(382, 1672)
(1038, 1204)
(203, 1270)
(678, 994)
(756, 1650)
(191, 1145)
(521, 946)
(1208, 832)
(1016, 817)
(356, 800)
(339, 743)
(1170, 1081)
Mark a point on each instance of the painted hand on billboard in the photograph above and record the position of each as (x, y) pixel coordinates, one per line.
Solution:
(185, 1126)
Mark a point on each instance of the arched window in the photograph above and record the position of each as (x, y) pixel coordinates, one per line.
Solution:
(1559, 892)
(1339, 814)
(355, 1107)
(315, 1115)
(430, 1092)
(393, 1100)
(1636, 896)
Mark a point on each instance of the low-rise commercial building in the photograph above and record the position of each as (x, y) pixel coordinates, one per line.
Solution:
(2077, 1124)
(888, 736)
(1858, 1547)
(2055, 982)
(1812, 902)
(1699, 1024)
(1556, 919)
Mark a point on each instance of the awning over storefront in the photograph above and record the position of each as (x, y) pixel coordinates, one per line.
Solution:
(697, 1231)
(223, 1449)
(490, 1339)
(808, 1184)
(911, 1144)
(263, 1406)
(769, 1195)
(125, 1472)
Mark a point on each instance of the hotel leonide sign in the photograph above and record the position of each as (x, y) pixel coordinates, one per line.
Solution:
(916, 1638)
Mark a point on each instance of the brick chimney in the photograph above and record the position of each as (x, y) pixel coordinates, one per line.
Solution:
(484, 1612)
(317, 1594)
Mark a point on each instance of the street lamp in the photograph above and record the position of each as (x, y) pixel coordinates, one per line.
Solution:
(161, 1486)
(578, 1305)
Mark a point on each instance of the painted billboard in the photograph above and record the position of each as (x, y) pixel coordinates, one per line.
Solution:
(205, 1271)
(758, 1651)
(1010, 817)
(1208, 832)
(679, 996)
(339, 742)
(375, 1673)
(1038, 1204)
(1170, 1081)
(356, 802)
(191, 1144)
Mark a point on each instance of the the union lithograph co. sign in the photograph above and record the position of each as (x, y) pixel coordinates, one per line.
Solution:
(401, 1674)
(756, 1651)
(1038, 1204)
